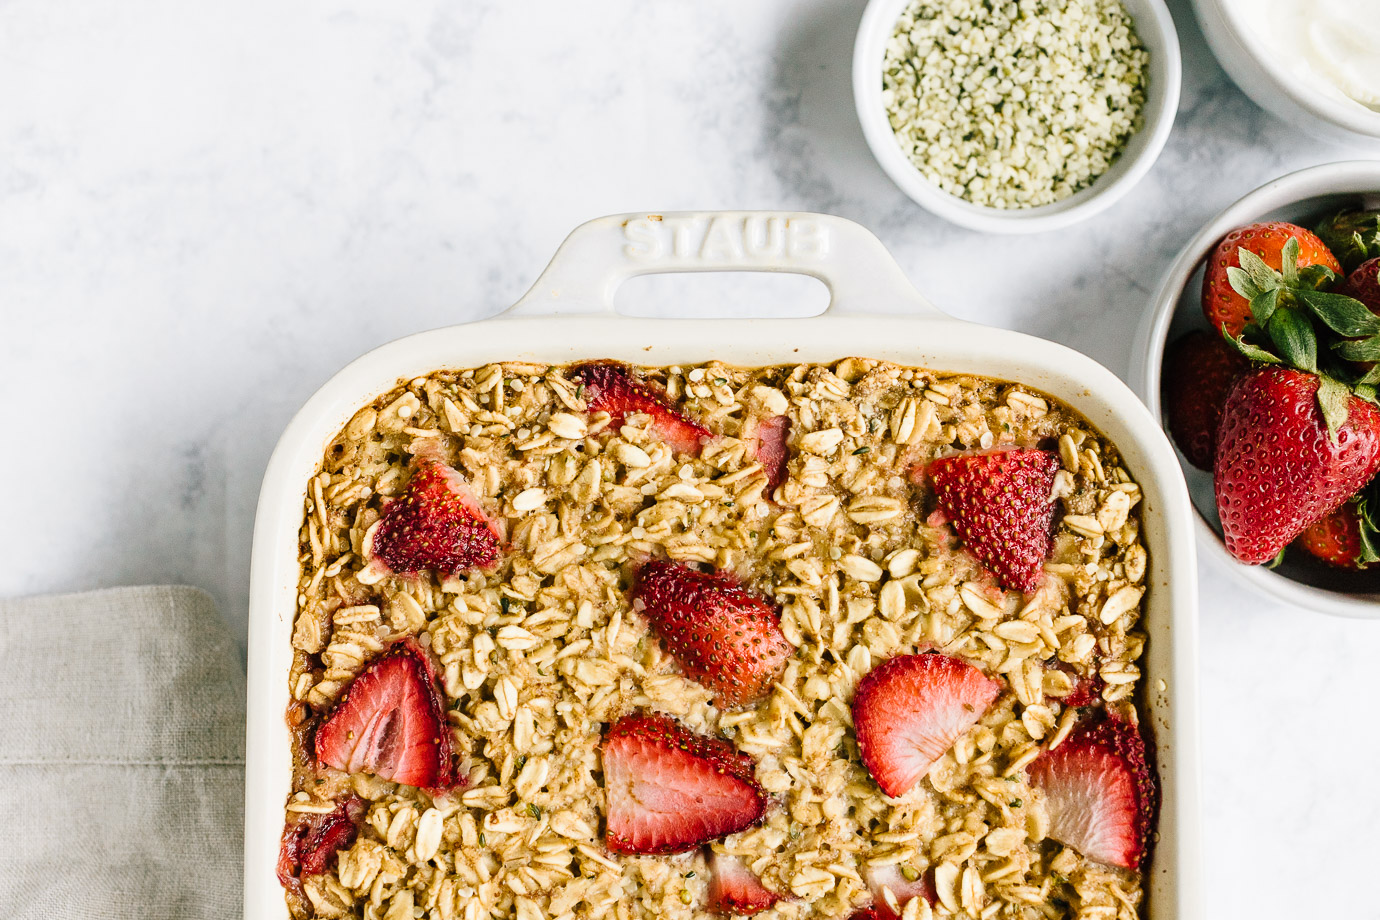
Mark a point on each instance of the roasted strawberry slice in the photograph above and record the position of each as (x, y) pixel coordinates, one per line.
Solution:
(391, 723)
(669, 790)
(768, 439)
(910, 709)
(611, 387)
(733, 889)
(1000, 505)
(723, 635)
(1100, 793)
(1086, 691)
(881, 879)
(310, 845)
(437, 525)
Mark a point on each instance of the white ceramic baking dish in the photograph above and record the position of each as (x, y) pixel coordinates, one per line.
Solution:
(874, 311)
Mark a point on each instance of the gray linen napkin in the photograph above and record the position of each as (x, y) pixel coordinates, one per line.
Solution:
(121, 757)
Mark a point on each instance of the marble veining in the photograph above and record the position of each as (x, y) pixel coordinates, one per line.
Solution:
(206, 210)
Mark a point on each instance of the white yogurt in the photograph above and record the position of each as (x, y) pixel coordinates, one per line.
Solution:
(1331, 46)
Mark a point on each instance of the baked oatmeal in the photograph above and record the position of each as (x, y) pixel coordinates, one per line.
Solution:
(821, 641)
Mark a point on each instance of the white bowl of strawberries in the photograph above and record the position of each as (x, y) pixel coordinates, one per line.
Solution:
(1260, 357)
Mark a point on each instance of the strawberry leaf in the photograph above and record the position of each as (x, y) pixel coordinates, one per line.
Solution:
(1262, 275)
(1242, 284)
(1293, 336)
(1333, 398)
(1358, 248)
(1359, 350)
(1253, 352)
(1263, 306)
(1289, 261)
(1342, 314)
(1353, 236)
(1368, 514)
(1316, 278)
(1368, 554)
(1371, 379)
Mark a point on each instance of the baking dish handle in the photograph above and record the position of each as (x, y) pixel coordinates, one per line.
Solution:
(598, 256)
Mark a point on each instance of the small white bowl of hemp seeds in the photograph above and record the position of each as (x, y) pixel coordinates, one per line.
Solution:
(1016, 116)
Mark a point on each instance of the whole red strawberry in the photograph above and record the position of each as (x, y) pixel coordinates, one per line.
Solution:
(723, 635)
(1222, 305)
(1001, 507)
(1336, 539)
(1277, 469)
(1364, 284)
(670, 790)
(1100, 792)
(1199, 369)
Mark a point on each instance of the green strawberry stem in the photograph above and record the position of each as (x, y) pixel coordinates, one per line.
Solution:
(1296, 320)
(1353, 236)
(1368, 513)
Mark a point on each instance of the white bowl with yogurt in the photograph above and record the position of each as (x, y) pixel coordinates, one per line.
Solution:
(1313, 63)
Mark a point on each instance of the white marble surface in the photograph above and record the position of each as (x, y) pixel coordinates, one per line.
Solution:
(206, 209)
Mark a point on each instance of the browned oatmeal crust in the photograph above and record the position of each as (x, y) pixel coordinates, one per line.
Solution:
(539, 655)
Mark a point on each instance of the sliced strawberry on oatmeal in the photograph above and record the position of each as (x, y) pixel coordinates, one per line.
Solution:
(436, 525)
(903, 884)
(1086, 691)
(1099, 791)
(768, 440)
(611, 387)
(733, 889)
(309, 846)
(909, 710)
(391, 723)
(1086, 688)
(669, 790)
(724, 636)
(1000, 504)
